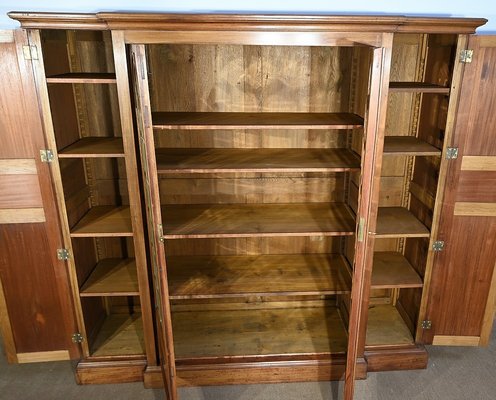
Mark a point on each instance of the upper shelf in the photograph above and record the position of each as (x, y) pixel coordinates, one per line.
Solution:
(256, 160)
(408, 146)
(82, 77)
(418, 87)
(396, 222)
(263, 120)
(257, 220)
(94, 147)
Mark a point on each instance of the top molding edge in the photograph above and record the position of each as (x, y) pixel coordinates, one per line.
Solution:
(262, 22)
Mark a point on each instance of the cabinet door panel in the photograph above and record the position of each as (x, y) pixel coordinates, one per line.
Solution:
(462, 292)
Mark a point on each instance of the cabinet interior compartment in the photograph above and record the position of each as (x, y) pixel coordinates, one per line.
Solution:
(421, 73)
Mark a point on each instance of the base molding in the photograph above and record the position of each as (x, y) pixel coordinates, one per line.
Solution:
(396, 358)
(261, 372)
(97, 372)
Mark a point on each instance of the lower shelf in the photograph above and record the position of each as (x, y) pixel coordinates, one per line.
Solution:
(238, 334)
(120, 335)
(386, 327)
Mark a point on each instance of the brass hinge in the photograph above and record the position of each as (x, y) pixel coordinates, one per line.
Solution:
(161, 233)
(452, 153)
(30, 52)
(77, 338)
(466, 56)
(426, 324)
(361, 229)
(46, 156)
(63, 254)
(438, 245)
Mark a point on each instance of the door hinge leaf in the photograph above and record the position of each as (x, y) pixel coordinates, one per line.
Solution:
(438, 245)
(46, 156)
(63, 254)
(466, 56)
(77, 338)
(426, 324)
(452, 153)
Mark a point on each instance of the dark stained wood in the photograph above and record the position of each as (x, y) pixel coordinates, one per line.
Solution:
(104, 221)
(256, 160)
(20, 191)
(243, 220)
(238, 276)
(94, 147)
(265, 120)
(408, 145)
(91, 372)
(82, 77)
(418, 87)
(477, 186)
(399, 222)
(394, 359)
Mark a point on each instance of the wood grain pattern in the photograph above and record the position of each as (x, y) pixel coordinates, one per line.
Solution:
(239, 276)
(399, 222)
(19, 166)
(247, 333)
(476, 186)
(418, 87)
(471, 209)
(20, 191)
(395, 359)
(256, 160)
(112, 277)
(104, 221)
(98, 372)
(442, 340)
(265, 120)
(392, 270)
(478, 163)
(43, 356)
(82, 77)
(94, 147)
(21, 215)
(386, 327)
(243, 220)
(408, 146)
(6, 329)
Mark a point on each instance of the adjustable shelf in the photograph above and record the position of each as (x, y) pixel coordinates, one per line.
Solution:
(82, 77)
(276, 330)
(408, 146)
(265, 275)
(396, 222)
(256, 160)
(93, 147)
(244, 120)
(112, 277)
(392, 270)
(418, 87)
(104, 221)
(386, 327)
(257, 220)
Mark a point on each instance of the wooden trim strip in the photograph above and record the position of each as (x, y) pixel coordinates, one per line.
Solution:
(22, 215)
(6, 329)
(43, 356)
(18, 166)
(469, 209)
(489, 313)
(6, 36)
(442, 340)
(479, 163)
(49, 20)
(487, 40)
(255, 38)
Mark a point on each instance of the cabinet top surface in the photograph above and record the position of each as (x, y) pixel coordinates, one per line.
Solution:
(256, 22)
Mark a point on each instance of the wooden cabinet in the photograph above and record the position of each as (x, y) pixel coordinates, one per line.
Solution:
(288, 194)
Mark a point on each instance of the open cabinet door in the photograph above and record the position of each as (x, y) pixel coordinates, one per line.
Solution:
(463, 284)
(154, 218)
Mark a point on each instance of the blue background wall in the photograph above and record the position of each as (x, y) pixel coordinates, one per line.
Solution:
(455, 8)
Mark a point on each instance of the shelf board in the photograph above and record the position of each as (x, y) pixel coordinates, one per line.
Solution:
(386, 327)
(418, 87)
(392, 270)
(257, 332)
(256, 160)
(120, 335)
(245, 120)
(104, 221)
(82, 77)
(257, 220)
(94, 147)
(396, 222)
(264, 275)
(408, 146)
(112, 277)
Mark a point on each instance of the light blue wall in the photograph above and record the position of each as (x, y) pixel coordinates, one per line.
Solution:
(455, 8)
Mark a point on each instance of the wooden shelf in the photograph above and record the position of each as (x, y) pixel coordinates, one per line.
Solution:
(257, 220)
(281, 329)
(244, 120)
(386, 327)
(256, 160)
(418, 87)
(82, 77)
(265, 275)
(112, 277)
(392, 270)
(104, 221)
(94, 147)
(120, 335)
(408, 146)
(394, 222)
